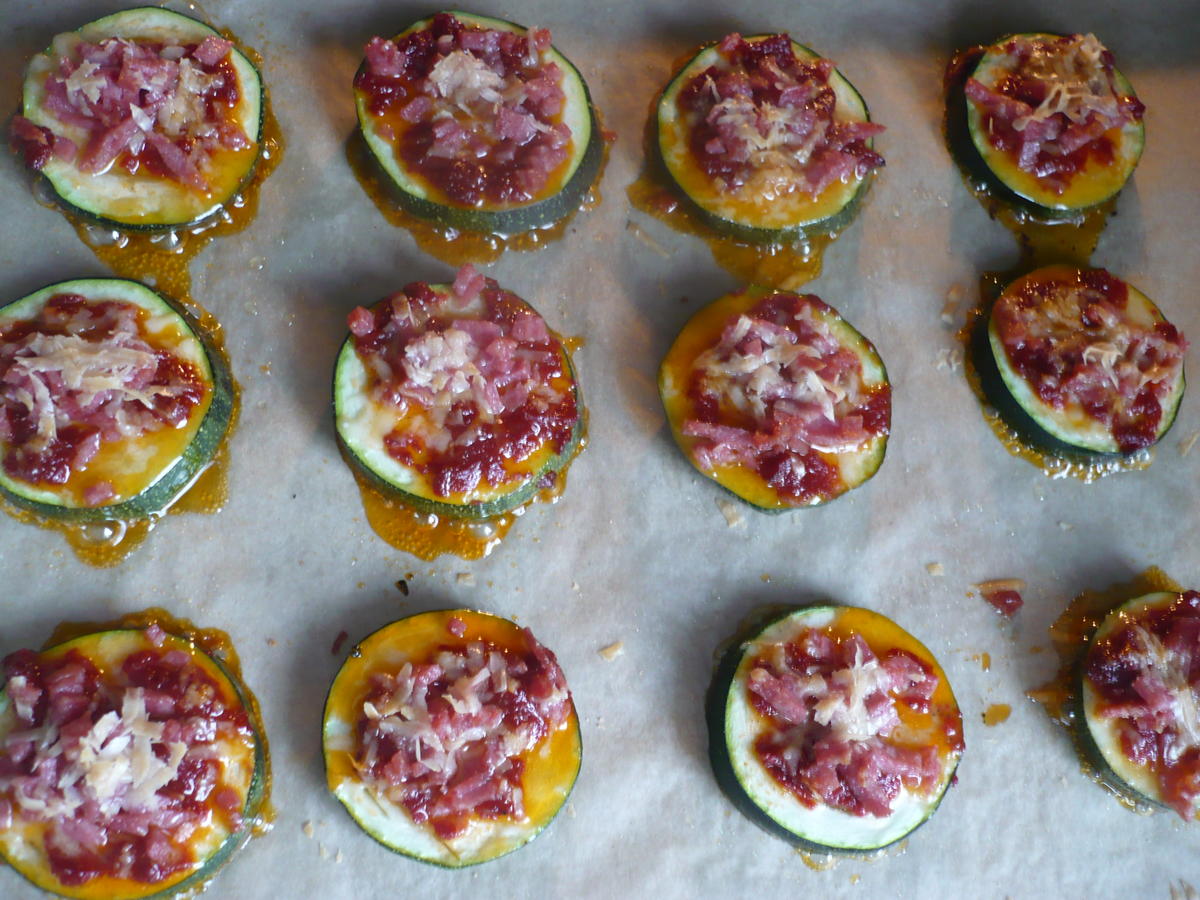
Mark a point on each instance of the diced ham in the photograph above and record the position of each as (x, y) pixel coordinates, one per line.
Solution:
(211, 51)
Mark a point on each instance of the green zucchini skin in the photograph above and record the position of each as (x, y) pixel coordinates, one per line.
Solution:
(503, 221)
(964, 137)
(828, 226)
(521, 494)
(256, 795)
(173, 483)
(724, 683)
(244, 68)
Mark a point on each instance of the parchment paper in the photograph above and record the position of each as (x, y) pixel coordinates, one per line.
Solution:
(637, 550)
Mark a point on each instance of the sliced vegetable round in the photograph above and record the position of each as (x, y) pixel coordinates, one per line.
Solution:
(1054, 122)
(457, 399)
(1140, 689)
(833, 728)
(777, 398)
(1085, 362)
(145, 119)
(112, 401)
(162, 765)
(480, 124)
(425, 705)
(767, 140)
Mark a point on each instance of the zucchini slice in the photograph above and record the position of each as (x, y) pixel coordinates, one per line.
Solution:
(479, 409)
(186, 151)
(1086, 363)
(479, 124)
(400, 703)
(777, 398)
(810, 688)
(791, 159)
(1140, 690)
(1056, 125)
(175, 744)
(112, 401)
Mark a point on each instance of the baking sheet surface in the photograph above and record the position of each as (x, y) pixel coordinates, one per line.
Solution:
(638, 550)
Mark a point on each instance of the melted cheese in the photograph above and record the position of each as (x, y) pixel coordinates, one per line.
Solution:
(463, 79)
(844, 707)
(1077, 83)
(1171, 667)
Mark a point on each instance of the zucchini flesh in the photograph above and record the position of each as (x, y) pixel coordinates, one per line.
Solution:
(147, 472)
(1104, 165)
(366, 424)
(240, 753)
(828, 472)
(1095, 402)
(143, 201)
(550, 767)
(1146, 739)
(765, 209)
(563, 194)
(738, 722)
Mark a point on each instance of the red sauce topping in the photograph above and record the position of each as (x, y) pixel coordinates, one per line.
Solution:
(445, 737)
(780, 394)
(477, 380)
(831, 706)
(477, 112)
(1006, 601)
(1146, 674)
(65, 707)
(1072, 338)
(762, 107)
(82, 372)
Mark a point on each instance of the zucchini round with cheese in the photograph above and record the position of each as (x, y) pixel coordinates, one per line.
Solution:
(1140, 689)
(457, 399)
(1057, 126)
(767, 140)
(451, 737)
(132, 765)
(1086, 364)
(478, 123)
(145, 119)
(112, 401)
(777, 398)
(833, 728)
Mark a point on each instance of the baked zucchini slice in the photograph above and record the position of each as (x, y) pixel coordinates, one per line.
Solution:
(1057, 126)
(457, 399)
(1080, 362)
(478, 123)
(164, 773)
(1139, 693)
(833, 728)
(145, 119)
(415, 709)
(777, 398)
(766, 140)
(112, 401)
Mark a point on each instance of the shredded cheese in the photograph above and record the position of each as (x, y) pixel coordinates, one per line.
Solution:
(464, 79)
(1077, 83)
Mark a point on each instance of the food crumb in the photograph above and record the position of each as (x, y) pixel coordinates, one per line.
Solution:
(936, 569)
(765, 578)
(467, 578)
(954, 297)
(322, 851)
(271, 642)
(949, 359)
(1186, 445)
(307, 828)
(1065, 526)
(339, 856)
(1004, 594)
(402, 587)
(855, 878)
(338, 641)
(733, 515)
(575, 586)
(644, 236)
(571, 810)
(612, 651)
(996, 713)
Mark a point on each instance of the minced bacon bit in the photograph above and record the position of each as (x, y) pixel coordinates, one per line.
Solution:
(475, 111)
(79, 374)
(777, 390)
(446, 737)
(765, 118)
(120, 767)
(1054, 105)
(1146, 675)
(833, 707)
(1076, 343)
(142, 105)
(475, 377)
(1004, 594)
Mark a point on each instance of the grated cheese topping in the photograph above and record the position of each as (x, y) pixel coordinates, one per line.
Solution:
(1171, 668)
(465, 79)
(844, 707)
(1078, 82)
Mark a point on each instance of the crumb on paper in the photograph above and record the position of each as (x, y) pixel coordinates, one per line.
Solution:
(575, 586)
(1004, 594)
(936, 569)
(729, 509)
(1183, 891)
(339, 856)
(307, 828)
(765, 578)
(322, 851)
(1065, 526)
(1186, 445)
(949, 359)
(644, 236)
(402, 586)
(612, 651)
(571, 810)
(954, 297)
(467, 578)
(271, 642)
